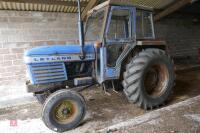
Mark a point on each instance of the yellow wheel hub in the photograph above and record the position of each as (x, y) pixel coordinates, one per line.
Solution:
(65, 111)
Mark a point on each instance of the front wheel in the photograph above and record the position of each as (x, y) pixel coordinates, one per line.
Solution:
(63, 110)
(149, 78)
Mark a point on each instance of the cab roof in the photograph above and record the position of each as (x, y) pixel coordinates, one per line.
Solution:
(120, 3)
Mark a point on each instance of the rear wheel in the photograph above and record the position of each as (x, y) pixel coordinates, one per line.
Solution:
(149, 78)
(63, 110)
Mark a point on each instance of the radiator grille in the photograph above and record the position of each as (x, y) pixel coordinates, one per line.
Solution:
(48, 73)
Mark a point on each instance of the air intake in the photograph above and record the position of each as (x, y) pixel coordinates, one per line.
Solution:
(48, 73)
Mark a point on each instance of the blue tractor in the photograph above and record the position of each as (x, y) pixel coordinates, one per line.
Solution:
(118, 48)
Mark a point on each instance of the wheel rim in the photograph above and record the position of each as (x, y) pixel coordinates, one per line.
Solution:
(65, 112)
(156, 79)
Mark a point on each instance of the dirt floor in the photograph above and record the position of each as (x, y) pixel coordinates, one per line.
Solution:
(104, 110)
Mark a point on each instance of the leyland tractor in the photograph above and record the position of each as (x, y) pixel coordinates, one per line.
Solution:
(117, 49)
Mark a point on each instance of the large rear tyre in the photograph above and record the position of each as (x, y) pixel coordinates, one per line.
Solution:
(149, 78)
(63, 110)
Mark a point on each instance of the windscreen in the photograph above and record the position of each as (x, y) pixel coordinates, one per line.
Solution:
(94, 26)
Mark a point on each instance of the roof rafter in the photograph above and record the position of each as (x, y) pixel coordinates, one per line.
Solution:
(90, 5)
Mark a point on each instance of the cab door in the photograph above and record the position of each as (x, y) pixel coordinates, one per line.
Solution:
(119, 39)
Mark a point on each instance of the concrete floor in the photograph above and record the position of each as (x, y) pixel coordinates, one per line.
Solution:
(182, 117)
(115, 114)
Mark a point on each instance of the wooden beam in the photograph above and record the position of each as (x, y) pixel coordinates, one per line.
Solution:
(174, 7)
(48, 2)
(89, 6)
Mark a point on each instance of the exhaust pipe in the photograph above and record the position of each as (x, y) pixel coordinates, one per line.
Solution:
(81, 31)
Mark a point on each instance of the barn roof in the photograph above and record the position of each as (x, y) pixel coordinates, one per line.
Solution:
(70, 6)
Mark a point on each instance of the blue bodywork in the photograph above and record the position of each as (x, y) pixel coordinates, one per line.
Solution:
(59, 49)
(46, 64)
(58, 53)
(47, 73)
(110, 73)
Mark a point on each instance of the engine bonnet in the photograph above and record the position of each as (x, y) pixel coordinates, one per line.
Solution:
(58, 49)
(58, 53)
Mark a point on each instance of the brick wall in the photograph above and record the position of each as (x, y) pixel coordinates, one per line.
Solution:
(181, 31)
(20, 31)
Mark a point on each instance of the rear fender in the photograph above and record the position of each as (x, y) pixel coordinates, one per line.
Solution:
(153, 44)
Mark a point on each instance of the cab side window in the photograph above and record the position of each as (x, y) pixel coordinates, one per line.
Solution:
(144, 26)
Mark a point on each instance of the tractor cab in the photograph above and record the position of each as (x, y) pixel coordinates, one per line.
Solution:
(116, 27)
